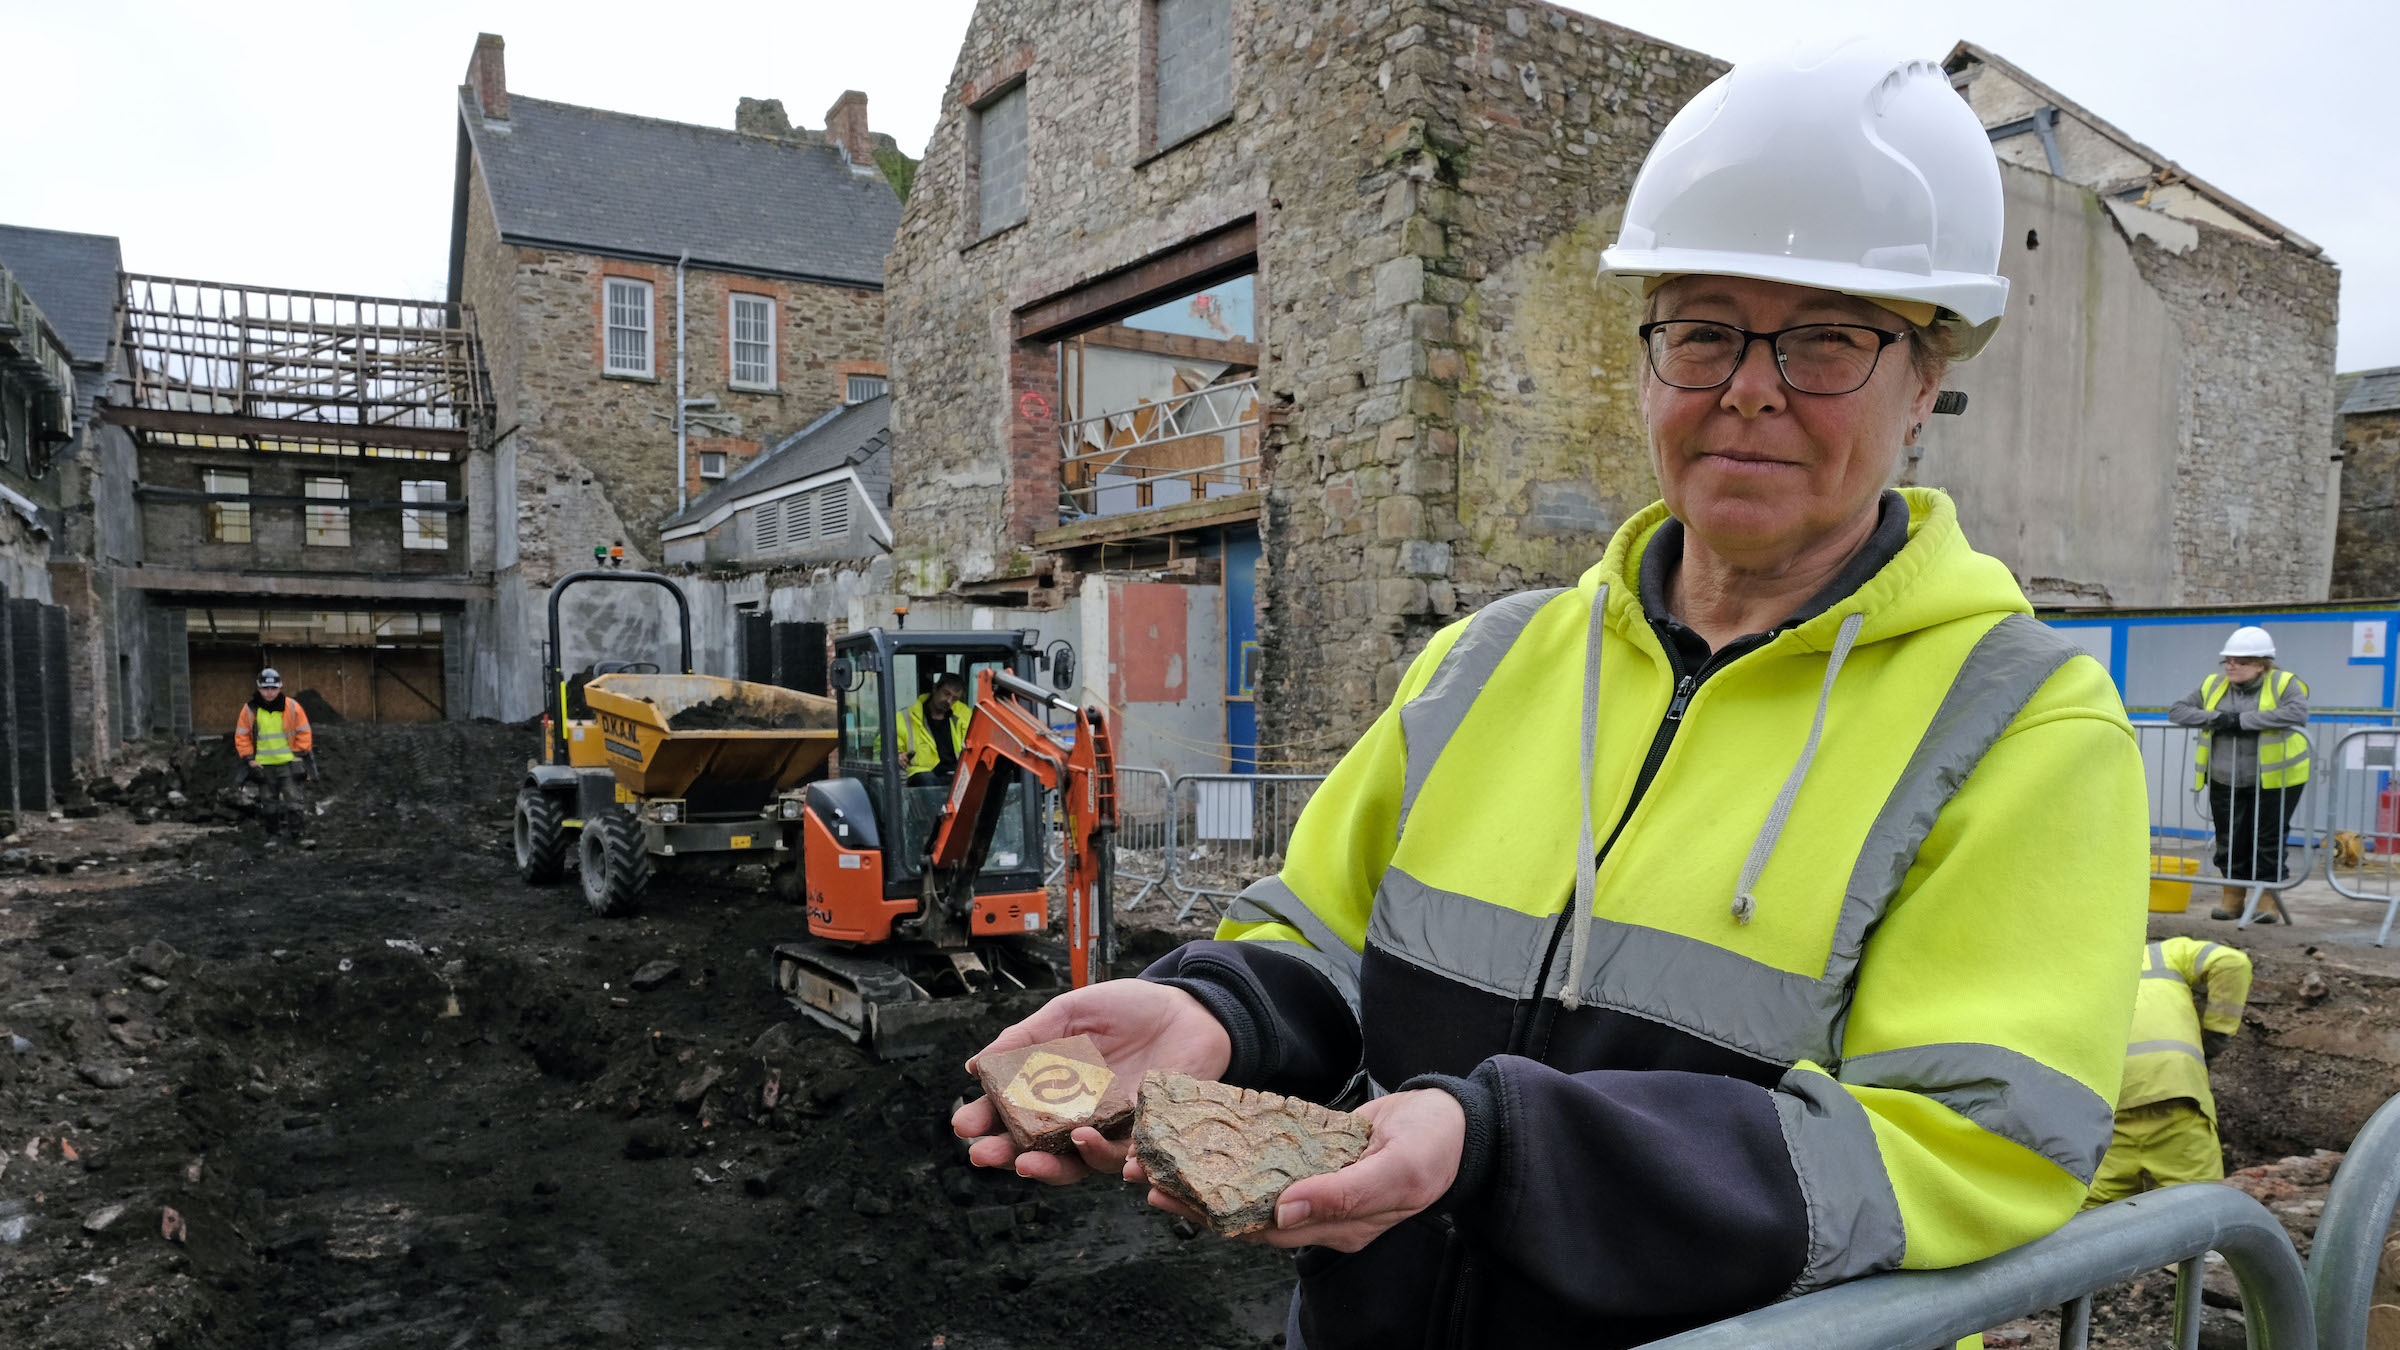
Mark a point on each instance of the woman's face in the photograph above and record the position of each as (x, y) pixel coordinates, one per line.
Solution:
(1755, 469)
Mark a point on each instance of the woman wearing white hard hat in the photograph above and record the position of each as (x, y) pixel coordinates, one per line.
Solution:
(1760, 911)
(2252, 760)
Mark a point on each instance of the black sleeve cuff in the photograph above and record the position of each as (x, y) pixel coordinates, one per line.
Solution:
(1479, 1096)
(1223, 1003)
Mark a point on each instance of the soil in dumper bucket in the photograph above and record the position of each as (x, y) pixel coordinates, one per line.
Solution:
(729, 714)
(397, 1098)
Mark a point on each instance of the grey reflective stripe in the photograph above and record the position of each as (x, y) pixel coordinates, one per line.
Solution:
(2158, 959)
(1698, 987)
(1269, 900)
(1999, 677)
(2163, 975)
(1428, 721)
(2216, 1009)
(2012, 1095)
(1491, 947)
(2200, 958)
(1343, 975)
(2161, 1047)
(1854, 1225)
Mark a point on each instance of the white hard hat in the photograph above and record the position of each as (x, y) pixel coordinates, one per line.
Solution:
(2249, 641)
(1852, 169)
(269, 676)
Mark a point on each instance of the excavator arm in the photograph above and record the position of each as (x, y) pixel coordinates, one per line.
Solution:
(1007, 732)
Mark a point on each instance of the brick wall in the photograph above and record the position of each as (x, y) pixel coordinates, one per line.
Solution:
(2366, 548)
(175, 532)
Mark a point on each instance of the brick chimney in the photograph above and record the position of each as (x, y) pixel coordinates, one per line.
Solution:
(846, 126)
(487, 75)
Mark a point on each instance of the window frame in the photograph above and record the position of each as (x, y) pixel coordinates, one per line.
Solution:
(978, 230)
(609, 328)
(850, 399)
(413, 534)
(705, 456)
(221, 515)
(734, 304)
(313, 524)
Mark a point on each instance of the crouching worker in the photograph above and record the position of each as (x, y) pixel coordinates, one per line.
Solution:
(2166, 1130)
(277, 750)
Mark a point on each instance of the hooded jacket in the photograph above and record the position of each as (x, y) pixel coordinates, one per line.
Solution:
(1861, 906)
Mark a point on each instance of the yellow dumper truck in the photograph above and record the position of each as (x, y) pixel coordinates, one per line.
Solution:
(640, 764)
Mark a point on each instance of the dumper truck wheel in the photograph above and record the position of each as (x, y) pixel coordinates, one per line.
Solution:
(541, 838)
(616, 868)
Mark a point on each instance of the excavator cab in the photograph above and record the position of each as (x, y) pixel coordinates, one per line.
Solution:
(924, 869)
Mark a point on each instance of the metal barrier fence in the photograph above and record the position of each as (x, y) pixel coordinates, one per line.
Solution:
(2221, 834)
(2325, 1304)
(1231, 829)
(2361, 820)
(1145, 833)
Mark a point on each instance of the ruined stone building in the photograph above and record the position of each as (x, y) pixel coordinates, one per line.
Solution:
(1262, 339)
(73, 675)
(2150, 427)
(2366, 546)
(618, 264)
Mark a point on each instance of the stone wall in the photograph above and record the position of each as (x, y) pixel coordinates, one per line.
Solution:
(2366, 547)
(2255, 483)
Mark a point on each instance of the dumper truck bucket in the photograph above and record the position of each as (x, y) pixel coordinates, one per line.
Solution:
(760, 733)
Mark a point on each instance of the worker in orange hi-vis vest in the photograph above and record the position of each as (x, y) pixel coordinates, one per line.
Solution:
(277, 749)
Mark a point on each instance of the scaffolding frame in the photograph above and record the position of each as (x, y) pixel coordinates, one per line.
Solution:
(272, 370)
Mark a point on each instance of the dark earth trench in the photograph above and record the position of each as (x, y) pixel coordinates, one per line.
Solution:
(398, 1098)
(362, 1088)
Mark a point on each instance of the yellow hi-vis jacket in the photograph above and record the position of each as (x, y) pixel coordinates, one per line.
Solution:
(1919, 925)
(2162, 1056)
(920, 749)
(2282, 760)
(273, 737)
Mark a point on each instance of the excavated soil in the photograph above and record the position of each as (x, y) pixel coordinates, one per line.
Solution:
(392, 1097)
(728, 714)
(384, 1095)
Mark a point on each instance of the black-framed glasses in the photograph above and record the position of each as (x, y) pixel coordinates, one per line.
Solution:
(1814, 358)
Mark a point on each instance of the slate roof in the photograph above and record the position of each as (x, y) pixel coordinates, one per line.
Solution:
(73, 278)
(857, 435)
(605, 182)
(2370, 391)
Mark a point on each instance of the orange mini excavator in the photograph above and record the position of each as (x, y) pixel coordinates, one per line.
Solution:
(925, 884)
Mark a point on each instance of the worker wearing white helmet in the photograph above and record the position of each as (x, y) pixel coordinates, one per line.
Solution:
(277, 747)
(2252, 760)
(1760, 910)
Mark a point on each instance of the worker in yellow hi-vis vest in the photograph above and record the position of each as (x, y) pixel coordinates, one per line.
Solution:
(2252, 760)
(277, 750)
(2166, 1132)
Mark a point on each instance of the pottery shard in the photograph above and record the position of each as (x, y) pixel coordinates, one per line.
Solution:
(1043, 1092)
(1228, 1152)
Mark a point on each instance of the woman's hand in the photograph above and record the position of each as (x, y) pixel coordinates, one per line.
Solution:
(1410, 1162)
(1138, 1025)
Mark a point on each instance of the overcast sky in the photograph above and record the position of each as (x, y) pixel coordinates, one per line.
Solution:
(311, 145)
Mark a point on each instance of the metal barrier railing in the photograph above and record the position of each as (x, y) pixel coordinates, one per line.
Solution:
(1230, 829)
(2252, 836)
(2360, 823)
(2286, 1305)
(1145, 852)
(2349, 1241)
(1917, 1309)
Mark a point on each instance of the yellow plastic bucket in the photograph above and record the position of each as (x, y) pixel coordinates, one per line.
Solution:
(2171, 897)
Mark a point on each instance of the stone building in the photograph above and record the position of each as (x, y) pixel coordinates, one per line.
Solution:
(1181, 275)
(655, 301)
(2366, 546)
(66, 481)
(2149, 429)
